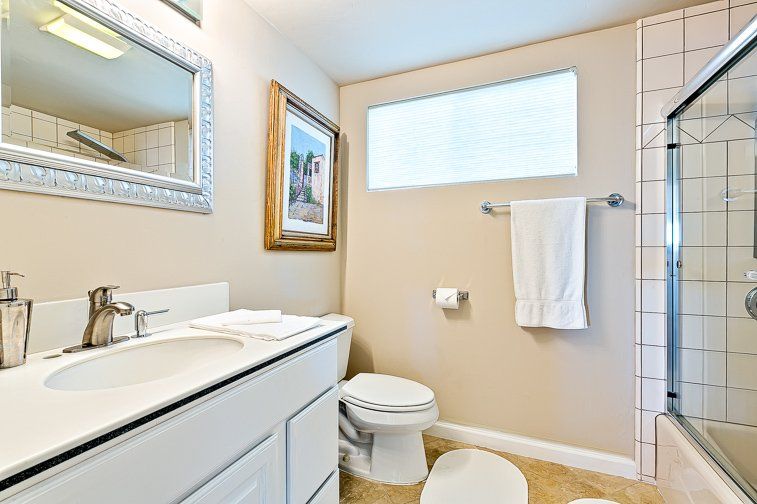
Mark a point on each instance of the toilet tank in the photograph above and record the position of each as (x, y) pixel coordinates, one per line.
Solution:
(343, 340)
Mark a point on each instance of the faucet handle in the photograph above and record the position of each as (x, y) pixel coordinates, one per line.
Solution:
(103, 294)
(140, 322)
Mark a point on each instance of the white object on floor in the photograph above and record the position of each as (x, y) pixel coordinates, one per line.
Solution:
(592, 501)
(289, 326)
(381, 418)
(549, 262)
(474, 476)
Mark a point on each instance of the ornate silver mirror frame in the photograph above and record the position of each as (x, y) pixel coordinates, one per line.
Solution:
(24, 169)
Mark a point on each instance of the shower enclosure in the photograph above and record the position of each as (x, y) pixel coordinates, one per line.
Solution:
(712, 261)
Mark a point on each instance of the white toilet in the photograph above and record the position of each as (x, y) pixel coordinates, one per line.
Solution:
(381, 418)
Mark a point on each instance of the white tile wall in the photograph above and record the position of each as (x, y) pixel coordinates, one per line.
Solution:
(29, 128)
(741, 406)
(741, 335)
(693, 61)
(719, 349)
(653, 164)
(662, 72)
(661, 39)
(151, 147)
(652, 329)
(706, 30)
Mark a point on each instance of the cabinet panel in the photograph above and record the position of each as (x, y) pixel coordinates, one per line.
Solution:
(167, 462)
(312, 446)
(250, 480)
(329, 492)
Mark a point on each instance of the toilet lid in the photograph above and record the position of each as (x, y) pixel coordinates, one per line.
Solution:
(385, 390)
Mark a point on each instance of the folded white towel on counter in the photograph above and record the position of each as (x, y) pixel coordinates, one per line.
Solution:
(244, 317)
(549, 262)
(271, 331)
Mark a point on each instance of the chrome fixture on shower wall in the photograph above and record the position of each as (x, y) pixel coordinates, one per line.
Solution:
(100, 147)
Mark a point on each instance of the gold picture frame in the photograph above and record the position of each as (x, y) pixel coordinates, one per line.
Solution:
(302, 196)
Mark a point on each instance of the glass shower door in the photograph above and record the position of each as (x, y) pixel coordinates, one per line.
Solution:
(712, 249)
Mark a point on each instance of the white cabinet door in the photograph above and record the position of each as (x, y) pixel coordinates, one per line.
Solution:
(312, 451)
(329, 492)
(250, 480)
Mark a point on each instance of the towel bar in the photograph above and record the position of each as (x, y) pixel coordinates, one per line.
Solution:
(614, 200)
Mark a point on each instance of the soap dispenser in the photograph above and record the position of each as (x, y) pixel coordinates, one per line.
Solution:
(15, 319)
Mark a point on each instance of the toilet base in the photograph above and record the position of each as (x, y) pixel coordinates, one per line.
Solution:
(396, 459)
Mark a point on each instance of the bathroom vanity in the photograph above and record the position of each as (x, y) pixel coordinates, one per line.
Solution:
(182, 416)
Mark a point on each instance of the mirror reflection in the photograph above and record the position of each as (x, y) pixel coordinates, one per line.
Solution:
(74, 87)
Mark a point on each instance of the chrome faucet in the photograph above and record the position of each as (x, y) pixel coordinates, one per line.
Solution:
(99, 331)
(102, 312)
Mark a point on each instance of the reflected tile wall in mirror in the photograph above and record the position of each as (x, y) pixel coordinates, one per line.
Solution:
(62, 72)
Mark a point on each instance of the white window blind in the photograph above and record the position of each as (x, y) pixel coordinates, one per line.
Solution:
(519, 128)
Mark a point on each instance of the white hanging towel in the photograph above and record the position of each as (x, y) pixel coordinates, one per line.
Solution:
(549, 262)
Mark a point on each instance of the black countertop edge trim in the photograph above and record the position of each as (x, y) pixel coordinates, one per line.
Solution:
(104, 438)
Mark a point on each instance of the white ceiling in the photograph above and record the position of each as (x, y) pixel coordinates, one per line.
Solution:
(356, 40)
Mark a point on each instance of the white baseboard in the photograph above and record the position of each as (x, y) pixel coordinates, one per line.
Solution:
(573, 456)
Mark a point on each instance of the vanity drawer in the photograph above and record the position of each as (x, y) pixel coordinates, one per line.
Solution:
(312, 446)
(329, 492)
(250, 480)
(167, 462)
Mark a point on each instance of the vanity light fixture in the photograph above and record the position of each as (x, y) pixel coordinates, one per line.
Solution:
(87, 34)
(83, 17)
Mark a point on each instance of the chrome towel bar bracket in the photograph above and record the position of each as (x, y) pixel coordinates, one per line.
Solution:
(613, 200)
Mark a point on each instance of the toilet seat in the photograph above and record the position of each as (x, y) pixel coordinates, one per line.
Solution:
(388, 409)
(371, 420)
(387, 393)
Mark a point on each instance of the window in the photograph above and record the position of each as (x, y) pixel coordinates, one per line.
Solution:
(519, 128)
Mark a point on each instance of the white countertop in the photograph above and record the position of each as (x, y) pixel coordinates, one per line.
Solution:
(38, 423)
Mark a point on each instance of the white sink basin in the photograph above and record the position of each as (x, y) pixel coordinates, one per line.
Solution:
(141, 364)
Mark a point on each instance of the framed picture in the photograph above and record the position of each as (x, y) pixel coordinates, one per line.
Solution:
(302, 177)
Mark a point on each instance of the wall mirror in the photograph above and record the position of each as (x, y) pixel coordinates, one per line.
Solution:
(98, 104)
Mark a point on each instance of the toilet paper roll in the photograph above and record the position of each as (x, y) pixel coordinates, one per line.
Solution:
(447, 298)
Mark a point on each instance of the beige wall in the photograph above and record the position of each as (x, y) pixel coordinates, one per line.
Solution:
(66, 246)
(574, 387)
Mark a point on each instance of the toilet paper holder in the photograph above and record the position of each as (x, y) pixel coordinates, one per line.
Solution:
(461, 295)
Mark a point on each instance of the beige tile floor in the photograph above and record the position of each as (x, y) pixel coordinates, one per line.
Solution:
(548, 483)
